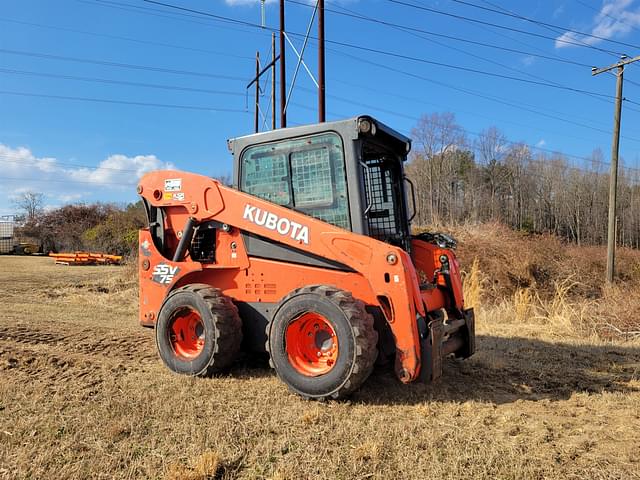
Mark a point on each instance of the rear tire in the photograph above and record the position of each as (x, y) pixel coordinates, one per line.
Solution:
(322, 342)
(198, 331)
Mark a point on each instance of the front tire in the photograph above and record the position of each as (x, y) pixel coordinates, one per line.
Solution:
(322, 342)
(198, 331)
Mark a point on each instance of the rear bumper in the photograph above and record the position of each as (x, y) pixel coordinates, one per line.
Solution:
(455, 337)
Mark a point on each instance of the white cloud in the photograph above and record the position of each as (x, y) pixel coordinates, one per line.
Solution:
(65, 182)
(528, 60)
(558, 11)
(616, 18)
(541, 143)
(118, 169)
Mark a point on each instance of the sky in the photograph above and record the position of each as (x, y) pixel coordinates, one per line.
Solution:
(94, 93)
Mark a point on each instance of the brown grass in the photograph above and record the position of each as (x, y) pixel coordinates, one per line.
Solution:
(536, 279)
(83, 395)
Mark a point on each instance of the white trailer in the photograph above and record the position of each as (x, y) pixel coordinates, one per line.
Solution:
(7, 239)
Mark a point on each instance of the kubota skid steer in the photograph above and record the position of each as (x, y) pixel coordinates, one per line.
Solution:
(309, 257)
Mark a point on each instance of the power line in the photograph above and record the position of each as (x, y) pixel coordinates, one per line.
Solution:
(477, 134)
(538, 22)
(430, 80)
(411, 31)
(467, 69)
(147, 11)
(119, 65)
(401, 115)
(120, 82)
(470, 92)
(554, 30)
(255, 25)
(495, 25)
(401, 56)
(122, 102)
(407, 29)
(422, 101)
(208, 14)
(353, 14)
(127, 39)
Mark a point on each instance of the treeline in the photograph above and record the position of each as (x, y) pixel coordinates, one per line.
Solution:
(107, 228)
(491, 178)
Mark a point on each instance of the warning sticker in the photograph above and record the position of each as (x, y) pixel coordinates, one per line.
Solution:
(173, 185)
(167, 196)
(178, 196)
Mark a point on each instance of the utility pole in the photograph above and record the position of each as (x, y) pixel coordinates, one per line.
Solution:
(321, 85)
(283, 72)
(273, 81)
(257, 115)
(256, 80)
(615, 148)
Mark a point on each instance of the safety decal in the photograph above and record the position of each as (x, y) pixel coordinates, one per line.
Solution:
(173, 185)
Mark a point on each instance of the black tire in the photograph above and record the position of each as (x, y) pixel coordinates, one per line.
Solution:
(356, 336)
(222, 330)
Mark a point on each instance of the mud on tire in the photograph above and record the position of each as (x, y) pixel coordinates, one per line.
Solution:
(354, 331)
(209, 341)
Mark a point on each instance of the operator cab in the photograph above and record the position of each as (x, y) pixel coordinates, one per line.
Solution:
(348, 173)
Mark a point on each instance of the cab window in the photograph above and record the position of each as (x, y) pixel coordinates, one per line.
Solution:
(305, 174)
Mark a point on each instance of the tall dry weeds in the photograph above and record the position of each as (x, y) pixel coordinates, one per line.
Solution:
(473, 285)
(523, 304)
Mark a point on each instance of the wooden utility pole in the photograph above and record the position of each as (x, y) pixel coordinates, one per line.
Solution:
(283, 72)
(273, 81)
(615, 148)
(321, 86)
(257, 115)
(256, 80)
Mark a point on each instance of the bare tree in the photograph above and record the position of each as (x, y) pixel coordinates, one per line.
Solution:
(31, 203)
(437, 139)
(225, 179)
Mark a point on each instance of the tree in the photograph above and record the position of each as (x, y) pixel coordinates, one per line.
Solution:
(118, 232)
(31, 204)
(438, 141)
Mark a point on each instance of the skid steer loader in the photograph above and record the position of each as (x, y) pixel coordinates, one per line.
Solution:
(309, 257)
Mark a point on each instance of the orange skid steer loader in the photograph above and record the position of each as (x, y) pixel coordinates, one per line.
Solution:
(309, 257)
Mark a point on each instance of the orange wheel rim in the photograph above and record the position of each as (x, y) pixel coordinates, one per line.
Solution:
(311, 344)
(187, 333)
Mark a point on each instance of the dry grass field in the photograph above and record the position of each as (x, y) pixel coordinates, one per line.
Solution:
(83, 395)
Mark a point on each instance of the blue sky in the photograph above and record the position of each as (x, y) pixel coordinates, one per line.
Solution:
(84, 151)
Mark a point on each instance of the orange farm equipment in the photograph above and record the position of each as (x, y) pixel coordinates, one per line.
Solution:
(85, 258)
(309, 257)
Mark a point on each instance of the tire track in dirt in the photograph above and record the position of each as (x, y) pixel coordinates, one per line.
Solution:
(136, 347)
(78, 361)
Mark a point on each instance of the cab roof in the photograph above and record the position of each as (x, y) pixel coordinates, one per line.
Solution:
(349, 129)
